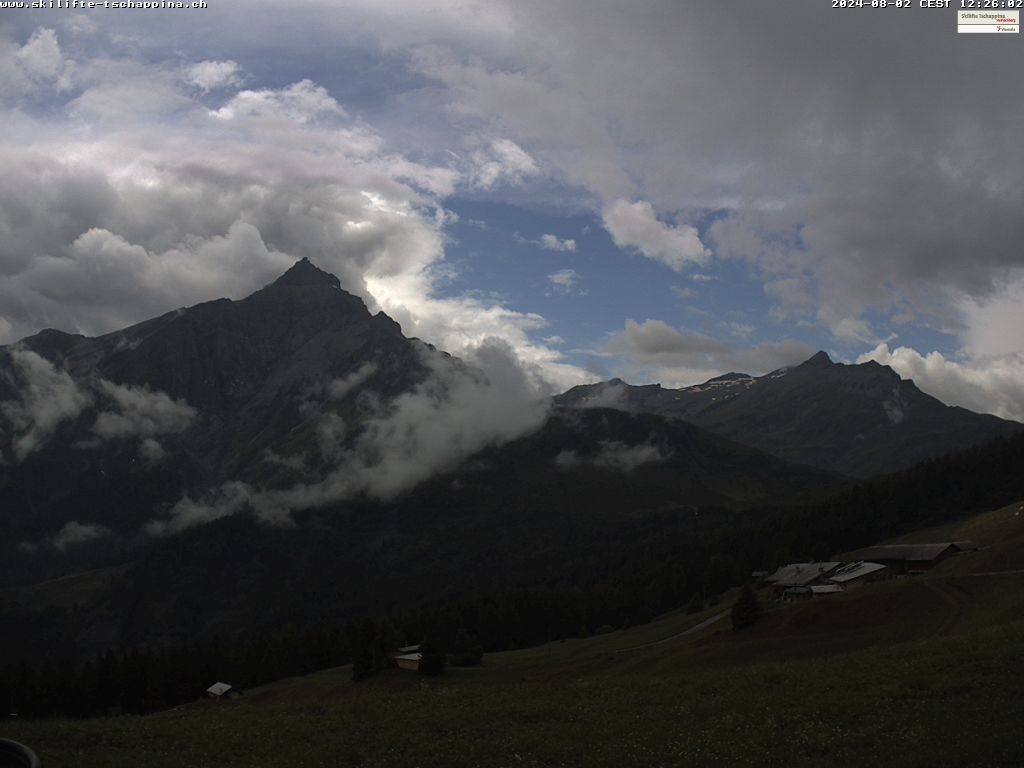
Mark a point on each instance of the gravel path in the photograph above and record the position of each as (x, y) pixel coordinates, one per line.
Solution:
(670, 638)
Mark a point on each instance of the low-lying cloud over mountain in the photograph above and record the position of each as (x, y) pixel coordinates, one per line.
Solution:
(615, 455)
(45, 397)
(457, 410)
(294, 398)
(139, 412)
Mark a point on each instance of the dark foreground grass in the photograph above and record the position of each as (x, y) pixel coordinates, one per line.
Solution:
(921, 673)
(946, 701)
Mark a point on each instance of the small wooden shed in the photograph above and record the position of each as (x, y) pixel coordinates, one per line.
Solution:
(410, 661)
(223, 691)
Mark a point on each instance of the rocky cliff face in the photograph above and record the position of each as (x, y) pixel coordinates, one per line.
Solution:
(859, 420)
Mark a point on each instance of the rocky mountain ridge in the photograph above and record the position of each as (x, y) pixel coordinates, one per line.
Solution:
(858, 420)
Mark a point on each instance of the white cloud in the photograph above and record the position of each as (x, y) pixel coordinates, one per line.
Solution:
(331, 432)
(615, 455)
(564, 280)
(553, 243)
(151, 450)
(140, 412)
(229, 499)
(432, 179)
(994, 325)
(461, 324)
(793, 297)
(341, 388)
(37, 66)
(876, 197)
(548, 242)
(454, 413)
(635, 225)
(103, 281)
(741, 329)
(850, 329)
(674, 358)
(301, 102)
(502, 161)
(116, 93)
(106, 228)
(71, 535)
(639, 104)
(610, 394)
(75, 533)
(993, 384)
(41, 57)
(209, 75)
(47, 397)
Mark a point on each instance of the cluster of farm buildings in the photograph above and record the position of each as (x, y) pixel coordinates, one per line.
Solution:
(803, 581)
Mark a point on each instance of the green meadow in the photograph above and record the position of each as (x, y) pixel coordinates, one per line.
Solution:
(919, 671)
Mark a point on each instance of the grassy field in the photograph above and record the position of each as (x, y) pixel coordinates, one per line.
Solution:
(922, 671)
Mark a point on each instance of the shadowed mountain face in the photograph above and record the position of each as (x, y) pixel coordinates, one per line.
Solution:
(166, 449)
(111, 428)
(858, 420)
(297, 397)
(584, 494)
(393, 475)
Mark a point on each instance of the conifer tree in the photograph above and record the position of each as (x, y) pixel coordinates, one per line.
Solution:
(696, 604)
(364, 650)
(467, 651)
(746, 610)
(433, 659)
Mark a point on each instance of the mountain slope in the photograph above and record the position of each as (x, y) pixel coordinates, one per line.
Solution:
(593, 499)
(935, 675)
(222, 391)
(859, 420)
(291, 455)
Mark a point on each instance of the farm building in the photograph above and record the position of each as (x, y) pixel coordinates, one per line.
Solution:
(407, 657)
(799, 575)
(410, 661)
(912, 558)
(967, 546)
(223, 691)
(798, 594)
(853, 575)
(823, 590)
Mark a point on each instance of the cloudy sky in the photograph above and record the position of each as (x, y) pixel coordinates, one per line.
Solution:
(660, 191)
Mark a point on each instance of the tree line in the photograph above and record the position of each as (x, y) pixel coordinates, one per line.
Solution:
(670, 559)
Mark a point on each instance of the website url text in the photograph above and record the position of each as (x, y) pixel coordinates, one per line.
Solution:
(90, 4)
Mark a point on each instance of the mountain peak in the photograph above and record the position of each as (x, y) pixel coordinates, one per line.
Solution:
(820, 360)
(305, 273)
(732, 376)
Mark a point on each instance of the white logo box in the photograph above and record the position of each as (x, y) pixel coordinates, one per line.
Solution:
(992, 22)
